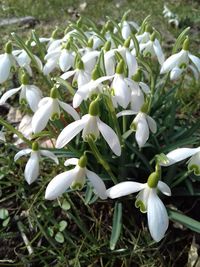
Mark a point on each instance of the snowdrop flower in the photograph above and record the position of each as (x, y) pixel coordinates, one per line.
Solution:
(180, 154)
(62, 57)
(6, 62)
(30, 94)
(148, 201)
(141, 124)
(81, 76)
(91, 125)
(31, 171)
(153, 48)
(49, 108)
(94, 86)
(75, 178)
(24, 60)
(178, 63)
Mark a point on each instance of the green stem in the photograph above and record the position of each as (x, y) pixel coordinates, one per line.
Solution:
(100, 159)
(15, 131)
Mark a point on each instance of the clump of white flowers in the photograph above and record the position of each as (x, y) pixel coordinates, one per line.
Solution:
(92, 79)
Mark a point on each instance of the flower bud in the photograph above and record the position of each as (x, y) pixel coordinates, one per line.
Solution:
(127, 42)
(153, 36)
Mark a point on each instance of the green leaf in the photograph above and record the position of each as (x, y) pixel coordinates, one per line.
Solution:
(59, 237)
(117, 225)
(65, 205)
(62, 225)
(185, 220)
(50, 231)
(4, 214)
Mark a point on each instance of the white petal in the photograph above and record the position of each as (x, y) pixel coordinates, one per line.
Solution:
(142, 132)
(50, 155)
(145, 87)
(91, 128)
(152, 124)
(158, 52)
(33, 96)
(97, 183)
(69, 109)
(22, 153)
(49, 67)
(59, 184)
(90, 55)
(2, 136)
(8, 94)
(157, 216)
(164, 188)
(53, 55)
(72, 161)
(70, 131)
(131, 63)
(180, 154)
(67, 74)
(122, 91)
(39, 62)
(175, 73)
(65, 60)
(170, 63)
(5, 65)
(126, 112)
(31, 171)
(79, 97)
(42, 116)
(124, 189)
(196, 61)
(110, 137)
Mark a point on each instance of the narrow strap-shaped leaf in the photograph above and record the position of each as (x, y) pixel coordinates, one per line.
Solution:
(117, 225)
(185, 220)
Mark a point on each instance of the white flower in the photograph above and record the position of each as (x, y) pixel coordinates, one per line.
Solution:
(76, 179)
(180, 154)
(6, 62)
(31, 171)
(142, 123)
(153, 48)
(64, 58)
(179, 62)
(24, 60)
(90, 125)
(147, 200)
(49, 108)
(126, 28)
(81, 76)
(30, 93)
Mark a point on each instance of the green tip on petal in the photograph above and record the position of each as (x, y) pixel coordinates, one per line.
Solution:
(127, 42)
(186, 44)
(94, 108)
(82, 161)
(153, 179)
(76, 186)
(133, 126)
(55, 116)
(140, 205)
(195, 168)
(24, 79)
(54, 93)
(120, 67)
(35, 146)
(8, 47)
